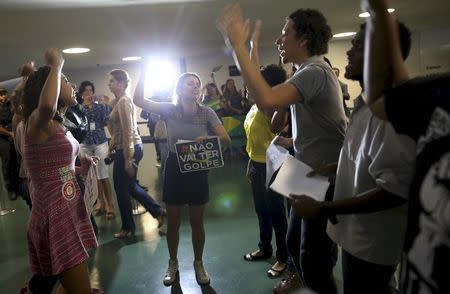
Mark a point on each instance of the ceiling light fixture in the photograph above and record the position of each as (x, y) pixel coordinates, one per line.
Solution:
(366, 14)
(343, 35)
(131, 58)
(76, 50)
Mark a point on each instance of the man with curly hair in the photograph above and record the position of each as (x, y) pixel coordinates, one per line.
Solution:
(315, 99)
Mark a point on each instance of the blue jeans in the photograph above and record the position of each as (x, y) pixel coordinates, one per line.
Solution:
(127, 186)
(271, 213)
(360, 276)
(312, 251)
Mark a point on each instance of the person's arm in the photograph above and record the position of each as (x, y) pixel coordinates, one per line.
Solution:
(124, 108)
(48, 98)
(370, 201)
(220, 132)
(5, 132)
(236, 32)
(279, 121)
(254, 44)
(384, 65)
(146, 104)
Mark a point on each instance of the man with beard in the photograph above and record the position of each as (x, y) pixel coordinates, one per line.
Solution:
(372, 184)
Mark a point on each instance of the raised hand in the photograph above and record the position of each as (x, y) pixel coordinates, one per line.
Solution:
(27, 69)
(54, 58)
(254, 41)
(234, 28)
(374, 5)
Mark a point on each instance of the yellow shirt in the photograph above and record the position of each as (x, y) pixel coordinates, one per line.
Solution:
(259, 136)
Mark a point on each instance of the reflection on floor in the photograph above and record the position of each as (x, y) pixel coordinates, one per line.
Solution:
(138, 265)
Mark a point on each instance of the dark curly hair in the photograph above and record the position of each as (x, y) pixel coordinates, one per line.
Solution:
(32, 92)
(274, 74)
(81, 89)
(312, 26)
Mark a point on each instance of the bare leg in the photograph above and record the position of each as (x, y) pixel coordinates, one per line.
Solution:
(100, 207)
(107, 192)
(173, 229)
(198, 229)
(75, 280)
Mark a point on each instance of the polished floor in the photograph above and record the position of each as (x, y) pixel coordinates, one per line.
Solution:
(138, 265)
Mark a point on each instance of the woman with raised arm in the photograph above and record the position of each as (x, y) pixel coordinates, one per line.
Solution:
(59, 229)
(186, 119)
(127, 143)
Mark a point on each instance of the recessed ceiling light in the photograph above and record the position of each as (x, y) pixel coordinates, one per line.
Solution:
(76, 50)
(131, 58)
(342, 35)
(366, 14)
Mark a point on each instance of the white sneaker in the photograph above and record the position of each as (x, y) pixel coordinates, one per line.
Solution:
(171, 273)
(200, 274)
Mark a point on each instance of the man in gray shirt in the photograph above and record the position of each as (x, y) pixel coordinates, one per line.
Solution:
(318, 123)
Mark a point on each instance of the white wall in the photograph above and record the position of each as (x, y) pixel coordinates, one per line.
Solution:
(430, 52)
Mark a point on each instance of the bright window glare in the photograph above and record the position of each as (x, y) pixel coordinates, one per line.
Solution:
(161, 76)
(346, 34)
(366, 14)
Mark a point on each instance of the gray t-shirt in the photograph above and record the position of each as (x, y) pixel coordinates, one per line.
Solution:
(319, 123)
(182, 127)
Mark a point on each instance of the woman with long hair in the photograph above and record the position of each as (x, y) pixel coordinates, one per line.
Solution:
(186, 119)
(127, 143)
(233, 98)
(59, 230)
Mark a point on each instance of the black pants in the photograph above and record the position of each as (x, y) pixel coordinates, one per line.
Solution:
(360, 276)
(315, 254)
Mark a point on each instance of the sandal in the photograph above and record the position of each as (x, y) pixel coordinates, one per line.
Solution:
(274, 273)
(252, 257)
(124, 234)
(99, 211)
(110, 215)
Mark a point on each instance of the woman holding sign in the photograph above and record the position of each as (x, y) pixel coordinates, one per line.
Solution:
(186, 119)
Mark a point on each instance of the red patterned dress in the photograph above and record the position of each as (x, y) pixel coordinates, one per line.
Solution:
(59, 228)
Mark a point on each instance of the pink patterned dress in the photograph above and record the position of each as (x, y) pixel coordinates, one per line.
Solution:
(59, 228)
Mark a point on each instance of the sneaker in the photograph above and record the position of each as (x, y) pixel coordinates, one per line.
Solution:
(200, 274)
(289, 284)
(172, 272)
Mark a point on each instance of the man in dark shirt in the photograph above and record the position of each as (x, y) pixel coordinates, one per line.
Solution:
(6, 134)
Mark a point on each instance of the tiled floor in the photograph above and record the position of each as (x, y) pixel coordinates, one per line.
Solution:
(138, 265)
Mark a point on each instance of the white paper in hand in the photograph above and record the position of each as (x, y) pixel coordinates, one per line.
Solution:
(90, 189)
(292, 179)
(275, 156)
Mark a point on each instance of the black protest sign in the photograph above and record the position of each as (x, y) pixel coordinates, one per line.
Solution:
(193, 156)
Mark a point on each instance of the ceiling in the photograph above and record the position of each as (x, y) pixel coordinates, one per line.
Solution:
(117, 28)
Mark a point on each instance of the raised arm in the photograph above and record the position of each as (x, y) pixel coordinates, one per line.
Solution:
(254, 44)
(48, 99)
(236, 32)
(384, 65)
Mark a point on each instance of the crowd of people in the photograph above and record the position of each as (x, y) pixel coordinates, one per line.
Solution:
(387, 162)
